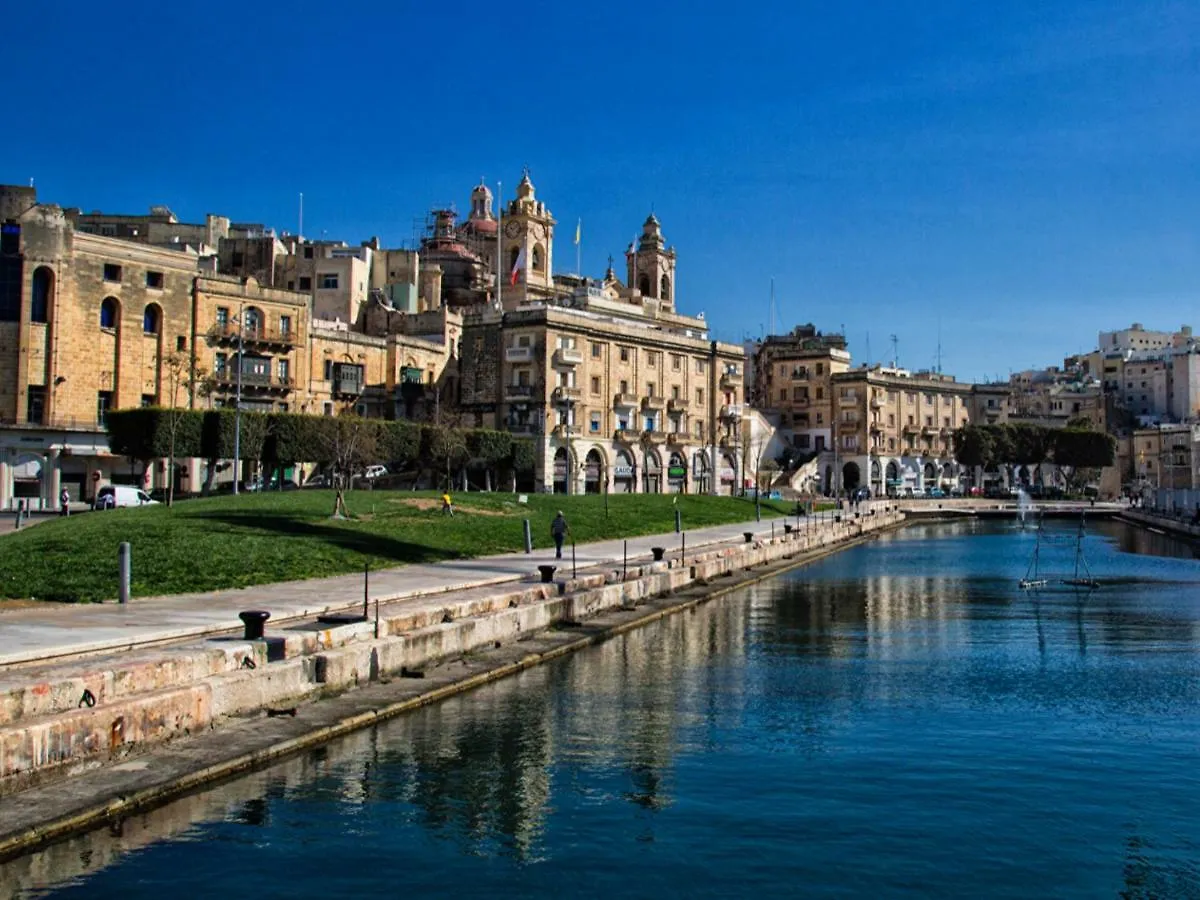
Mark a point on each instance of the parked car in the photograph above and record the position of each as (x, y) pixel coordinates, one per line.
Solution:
(373, 472)
(935, 492)
(112, 496)
(317, 481)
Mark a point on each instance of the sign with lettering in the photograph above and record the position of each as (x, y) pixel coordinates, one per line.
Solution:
(623, 471)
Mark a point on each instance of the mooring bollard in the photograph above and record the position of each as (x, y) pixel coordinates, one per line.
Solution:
(678, 522)
(547, 573)
(255, 621)
(124, 568)
(658, 553)
(748, 535)
(787, 528)
(528, 538)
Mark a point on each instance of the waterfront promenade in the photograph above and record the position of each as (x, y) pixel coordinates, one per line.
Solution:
(55, 631)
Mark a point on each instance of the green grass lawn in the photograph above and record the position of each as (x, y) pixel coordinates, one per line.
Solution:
(223, 542)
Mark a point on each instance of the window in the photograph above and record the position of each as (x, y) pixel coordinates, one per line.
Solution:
(699, 367)
(308, 253)
(891, 420)
(222, 316)
(595, 384)
(910, 398)
(651, 359)
(649, 388)
(820, 393)
(150, 319)
(154, 281)
(929, 421)
(108, 313)
(43, 287)
(327, 408)
(650, 423)
(285, 325)
(594, 424)
(104, 401)
(220, 364)
(328, 369)
(291, 285)
(537, 258)
(676, 362)
(147, 400)
(624, 354)
(35, 408)
(239, 259)
(305, 283)
(803, 441)
(112, 272)
(945, 421)
(783, 395)
(820, 418)
(820, 368)
(329, 281)
(283, 370)
(180, 343)
(665, 289)
(596, 351)
(624, 387)
(699, 396)
(674, 392)
(252, 320)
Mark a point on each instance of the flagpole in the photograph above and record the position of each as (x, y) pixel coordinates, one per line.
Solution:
(579, 247)
(499, 244)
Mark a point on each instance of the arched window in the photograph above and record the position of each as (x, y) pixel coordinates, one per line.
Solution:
(151, 319)
(108, 313)
(538, 262)
(43, 291)
(664, 292)
(644, 285)
(252, 320)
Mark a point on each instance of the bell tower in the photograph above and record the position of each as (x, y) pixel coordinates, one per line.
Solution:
(651, 265)
(528, 227)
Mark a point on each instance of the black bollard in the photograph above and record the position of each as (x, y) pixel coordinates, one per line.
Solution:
(658, 553)
(255, 621)
(678, 523)
(366, 590)
(547, 573)
(748, 535)
(528, 538)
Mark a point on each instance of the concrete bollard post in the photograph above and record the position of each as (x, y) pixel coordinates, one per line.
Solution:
(624, 560)
(20, 509)
(366, 590)
(573, 574)
(124, 569)
(678, 522)
(528, 538)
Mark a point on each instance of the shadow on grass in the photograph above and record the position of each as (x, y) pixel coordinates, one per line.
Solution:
(355, 540)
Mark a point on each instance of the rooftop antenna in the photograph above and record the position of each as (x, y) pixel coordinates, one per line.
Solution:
(772, 309)
(895, 351)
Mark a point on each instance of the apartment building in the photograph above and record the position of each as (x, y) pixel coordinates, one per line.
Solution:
(91, 322)
(618, 395)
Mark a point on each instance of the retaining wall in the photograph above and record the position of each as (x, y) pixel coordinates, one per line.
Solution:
(50, 727)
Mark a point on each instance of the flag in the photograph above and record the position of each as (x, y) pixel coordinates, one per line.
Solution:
(518, 265)
(578, 230)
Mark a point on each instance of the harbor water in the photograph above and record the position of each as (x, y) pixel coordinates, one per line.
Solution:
(897, 720)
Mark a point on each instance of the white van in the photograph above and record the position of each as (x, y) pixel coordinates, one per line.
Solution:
(113, 495)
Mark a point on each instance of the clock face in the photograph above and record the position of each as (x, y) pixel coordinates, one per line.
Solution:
(512, 229)
(539, 231)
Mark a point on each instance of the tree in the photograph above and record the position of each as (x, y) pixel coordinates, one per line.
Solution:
(348, 443)
(1081, 452)
(181, 374)
(972, 446)
(217, 439)
(145, 433)
(443, 449)
(488, 449)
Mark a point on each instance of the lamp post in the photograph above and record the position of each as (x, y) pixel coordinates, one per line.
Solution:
(237, 405)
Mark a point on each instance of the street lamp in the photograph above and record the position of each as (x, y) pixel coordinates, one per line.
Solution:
(237, 404)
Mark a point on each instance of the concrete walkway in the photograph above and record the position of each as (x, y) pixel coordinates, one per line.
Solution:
(45, 633)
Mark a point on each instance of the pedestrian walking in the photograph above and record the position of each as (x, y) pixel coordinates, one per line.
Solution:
(559, 530)
(64, 503)
(447, 506)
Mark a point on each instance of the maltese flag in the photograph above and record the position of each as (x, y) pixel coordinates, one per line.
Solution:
(518, 265)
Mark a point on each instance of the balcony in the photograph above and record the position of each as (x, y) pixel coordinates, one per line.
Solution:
(654, 404)
(565, 432)
(877, 427)
(518, 354)
(347, 387)
(227, 334)
(877, 401)
(518, 393)
(626, 436)
(654, 437)
(564, 395)
(677, 405)
(911, 428)
(801, 402)
(676, 438)
(732, 411)
(412, 375)
(625, 401)
(527, 429)
(848, 400)
(731, 380)
(568, 356)
(930, 431)
(253, 382)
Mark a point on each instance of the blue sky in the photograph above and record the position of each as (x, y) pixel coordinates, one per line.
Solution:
(1017, 176)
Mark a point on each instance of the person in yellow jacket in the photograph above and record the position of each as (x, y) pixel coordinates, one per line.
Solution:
(447, 506)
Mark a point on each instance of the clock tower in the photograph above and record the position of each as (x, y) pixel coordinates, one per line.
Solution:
(652, 265)
(528, 227)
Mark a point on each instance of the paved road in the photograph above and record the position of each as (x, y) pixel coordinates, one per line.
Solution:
(46, 632)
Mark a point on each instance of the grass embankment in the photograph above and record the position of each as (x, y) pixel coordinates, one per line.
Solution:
(225, 542)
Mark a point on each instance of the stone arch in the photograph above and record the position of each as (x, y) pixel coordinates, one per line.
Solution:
(729, 461)
(664, 289)
(564, 468)
(110, 312)
(701, 472)
(828, 488)
(851, 476)
(891, 485)
(876, 472)
(538, 260)
(644, 284)
(930, 472)
(152, 319)
(595, 472)
(625, 472)
(677, 483)
(652, 470)
(42, 294)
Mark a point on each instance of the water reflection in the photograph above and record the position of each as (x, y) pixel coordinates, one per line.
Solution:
(909, 675)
